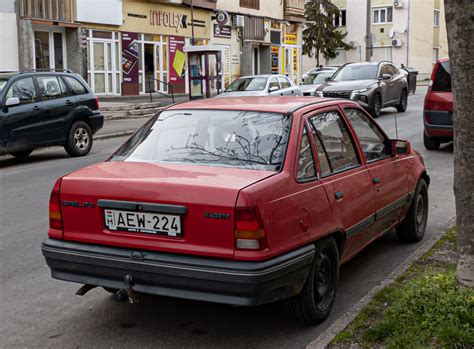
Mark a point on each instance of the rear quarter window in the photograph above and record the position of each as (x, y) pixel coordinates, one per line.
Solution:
(442, 78)
(76, 86)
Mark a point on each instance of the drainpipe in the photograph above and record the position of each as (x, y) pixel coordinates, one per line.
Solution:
(368, 29)
(408, 33)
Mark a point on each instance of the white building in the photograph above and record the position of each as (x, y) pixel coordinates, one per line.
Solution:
(8, 36)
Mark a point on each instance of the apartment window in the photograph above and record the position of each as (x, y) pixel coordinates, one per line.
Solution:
(340, 19)
(436, 18)
(382, 15)
(255, 4)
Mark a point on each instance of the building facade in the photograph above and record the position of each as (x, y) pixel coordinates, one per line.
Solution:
(8, 36)
(406, 32)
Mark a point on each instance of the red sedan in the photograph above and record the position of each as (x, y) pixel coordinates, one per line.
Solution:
(241, 201)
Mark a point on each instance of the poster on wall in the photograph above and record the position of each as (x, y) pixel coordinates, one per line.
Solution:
(130, 52)
(177, 63)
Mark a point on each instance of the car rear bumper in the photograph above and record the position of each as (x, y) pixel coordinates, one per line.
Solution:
(441, 131)
(96, 122)
(181, 276)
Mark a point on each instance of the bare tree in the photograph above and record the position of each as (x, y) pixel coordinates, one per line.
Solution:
(460, 28)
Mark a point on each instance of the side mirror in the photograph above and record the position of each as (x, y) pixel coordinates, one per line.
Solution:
(327, 78)
(399, 147)
(273, 89)
(12, 102)
(386, 76)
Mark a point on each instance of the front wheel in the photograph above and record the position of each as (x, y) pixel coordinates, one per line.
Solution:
(317, 297)
(402, 106)
(79, 140)
(413, 227)
(376, 107)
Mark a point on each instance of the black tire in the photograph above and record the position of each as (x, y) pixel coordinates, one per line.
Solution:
(79, 140)
(21, 154)
(402, 106)
(310, 306)
(111, 290)
(376, 106)
(413, 226)
(431, 143)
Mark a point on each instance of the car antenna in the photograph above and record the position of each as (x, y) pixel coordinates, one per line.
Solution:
(396, 125)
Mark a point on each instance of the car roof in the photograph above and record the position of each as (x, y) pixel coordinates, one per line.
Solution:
(260, 76)
(271, 104)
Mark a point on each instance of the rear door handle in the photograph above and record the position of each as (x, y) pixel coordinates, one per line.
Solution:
(36, 108)
(69, 102)
(376, 180)
(338, 195)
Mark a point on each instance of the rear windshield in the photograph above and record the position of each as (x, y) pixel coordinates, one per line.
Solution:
(442, 78)
(247, 84)
(318, 78)
(243, 139)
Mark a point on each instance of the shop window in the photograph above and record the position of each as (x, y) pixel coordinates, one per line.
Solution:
(275, 37)
(101, 34)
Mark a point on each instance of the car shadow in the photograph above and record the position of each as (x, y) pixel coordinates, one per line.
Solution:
(8, 160)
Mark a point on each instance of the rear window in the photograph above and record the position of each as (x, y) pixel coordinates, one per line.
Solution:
(247, 84)
(442, 78)
(242, 139)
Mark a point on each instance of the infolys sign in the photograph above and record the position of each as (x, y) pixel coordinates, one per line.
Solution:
(168, 19)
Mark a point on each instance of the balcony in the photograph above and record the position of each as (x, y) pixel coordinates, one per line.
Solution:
(47, 10)
(294, 10)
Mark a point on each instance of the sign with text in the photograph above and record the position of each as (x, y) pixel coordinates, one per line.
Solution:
(177, 62)
(130, 52)
(222, 31)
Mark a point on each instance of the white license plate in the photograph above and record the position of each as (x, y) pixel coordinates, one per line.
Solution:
(143, 222)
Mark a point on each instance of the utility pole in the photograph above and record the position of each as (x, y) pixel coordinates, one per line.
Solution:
(193, 41)
(368, 32)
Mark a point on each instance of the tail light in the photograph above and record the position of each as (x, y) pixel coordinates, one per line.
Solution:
(55, 219)
(249, 230)
(97, 102)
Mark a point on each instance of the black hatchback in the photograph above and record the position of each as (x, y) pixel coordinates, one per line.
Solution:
(45, 108)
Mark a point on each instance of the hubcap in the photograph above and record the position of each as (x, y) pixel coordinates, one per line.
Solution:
(324, 279)
(377, 105)
(81, 138)
(420, 213)
(404, 100)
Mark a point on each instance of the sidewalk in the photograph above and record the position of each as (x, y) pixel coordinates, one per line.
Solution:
(119, 128)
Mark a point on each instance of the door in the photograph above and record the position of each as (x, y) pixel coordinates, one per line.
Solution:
(57, 106)
(347, 182)
(274, 84)
(256, 61)
(388, 174)
(388, 86)
(22, 124)
(104, 80)
(286, 87)
(49, 49)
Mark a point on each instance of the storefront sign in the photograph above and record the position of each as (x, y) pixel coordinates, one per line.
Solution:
(130, 52)
(290, 38)
(275, 59)
(168, 19)
(222, 31)
(177, 66)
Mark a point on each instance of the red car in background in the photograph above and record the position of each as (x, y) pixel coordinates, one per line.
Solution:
(438, 108)
(241, 201)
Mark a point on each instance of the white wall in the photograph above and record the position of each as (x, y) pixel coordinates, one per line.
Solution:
(99, 11)
(8, 42)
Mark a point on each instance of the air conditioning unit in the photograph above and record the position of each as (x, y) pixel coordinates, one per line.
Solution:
(398, 4)
(397, 42)
(238, 21)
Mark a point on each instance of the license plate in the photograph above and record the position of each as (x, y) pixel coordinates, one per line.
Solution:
(143, 222)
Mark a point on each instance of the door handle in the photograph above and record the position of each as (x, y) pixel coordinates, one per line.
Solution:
(376, 180)
(338, 195)
(36, 108)
(69, 102)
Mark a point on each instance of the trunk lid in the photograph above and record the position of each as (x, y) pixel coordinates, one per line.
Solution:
(208, 195)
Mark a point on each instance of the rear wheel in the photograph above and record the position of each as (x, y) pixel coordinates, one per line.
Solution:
(79, 140)
(402, 106)
(317, 297)
(431, 143)
(376, 107)
(21, 154)
(413, 226)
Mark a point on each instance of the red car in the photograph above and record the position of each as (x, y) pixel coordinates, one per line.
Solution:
(242, 201)
(438, 108)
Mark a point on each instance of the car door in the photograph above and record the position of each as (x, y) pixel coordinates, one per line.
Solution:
(398, 82)
(388, 86)
(58, 105)
(274, 84)
(388, 174)
(346, 180)
(22, 123)
(285, 84)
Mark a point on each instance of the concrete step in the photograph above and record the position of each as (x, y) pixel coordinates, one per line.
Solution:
(127, 107)
(120, 117)
(139, 112)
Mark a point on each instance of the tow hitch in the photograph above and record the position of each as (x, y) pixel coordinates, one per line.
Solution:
(132, 296)
(121, 295)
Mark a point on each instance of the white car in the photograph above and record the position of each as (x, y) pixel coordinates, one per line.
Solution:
(314, 80)
(315, 70)
(261, 85)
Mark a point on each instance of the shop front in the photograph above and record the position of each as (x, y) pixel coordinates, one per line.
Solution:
(146, 53)
(291, 52)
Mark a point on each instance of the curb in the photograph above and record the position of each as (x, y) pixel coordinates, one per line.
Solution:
(325, 338)
(113, 135)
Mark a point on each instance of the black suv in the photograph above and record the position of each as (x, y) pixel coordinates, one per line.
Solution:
(44, 108)
(373, 85)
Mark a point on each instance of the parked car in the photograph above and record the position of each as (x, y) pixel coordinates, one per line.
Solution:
(438, 107)
(373, 85)
(261, 85)
(314, 80)
(45, 108)
(332, 68)
(241, 201)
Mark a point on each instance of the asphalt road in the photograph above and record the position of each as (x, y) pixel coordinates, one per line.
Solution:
(37, 311)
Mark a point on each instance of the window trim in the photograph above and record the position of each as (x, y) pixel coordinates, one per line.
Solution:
(347, 106)
(312, 148)
(356, 145)
(379, 9)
